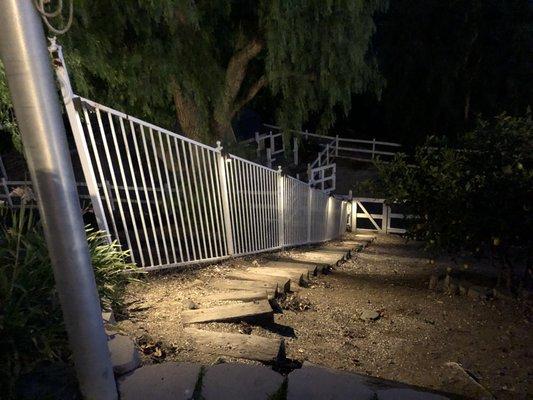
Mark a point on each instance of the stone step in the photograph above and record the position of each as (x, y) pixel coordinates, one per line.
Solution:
(241, 382)
(324, 258)
(250, 347)
(232, 284)
(299, 277)
(238, 295)
(284, 283)
(124, 356)
(313, 382)
(290, 264)
(259, 310)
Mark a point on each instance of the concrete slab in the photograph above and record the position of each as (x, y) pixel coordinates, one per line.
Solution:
(317, 383)
(167, 381)
(124, 356)
(240, 381)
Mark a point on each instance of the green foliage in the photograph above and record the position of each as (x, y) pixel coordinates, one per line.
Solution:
(8, 124)
(137, 55)
(473, 197)
(31, 323)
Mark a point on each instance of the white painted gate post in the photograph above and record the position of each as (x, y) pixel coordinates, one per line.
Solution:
(354, 215)
(385, 218)
(222, 178)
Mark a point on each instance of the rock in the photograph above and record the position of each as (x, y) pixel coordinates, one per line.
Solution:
(240, 381)
(433, 282)
(369, 315)
(124, 356)
(219, 360)
(503, 294)
(453, 288)
(166, 381)
(462, 381)
(191, 305)
(447, 282)
(108, 317)
(463, 288)
(316, 383)
(477, 292)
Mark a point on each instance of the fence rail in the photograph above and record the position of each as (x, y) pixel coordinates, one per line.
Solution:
(186, 202)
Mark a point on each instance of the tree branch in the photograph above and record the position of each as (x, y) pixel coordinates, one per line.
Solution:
(252, 92)
(236, 70)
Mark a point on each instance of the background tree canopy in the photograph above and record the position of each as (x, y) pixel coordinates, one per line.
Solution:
(203, 61)
(442, 63)
(446, 62)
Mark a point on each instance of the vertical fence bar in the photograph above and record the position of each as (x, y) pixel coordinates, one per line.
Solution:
(114, 180)
(178, 200)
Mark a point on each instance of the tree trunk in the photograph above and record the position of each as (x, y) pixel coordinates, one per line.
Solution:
(221, 126)
(188, 117)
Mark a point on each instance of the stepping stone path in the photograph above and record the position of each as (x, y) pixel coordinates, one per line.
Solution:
(228, 381)
(250, 292)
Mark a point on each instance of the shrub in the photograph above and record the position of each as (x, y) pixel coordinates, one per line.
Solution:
(31, 323)
(474, 196)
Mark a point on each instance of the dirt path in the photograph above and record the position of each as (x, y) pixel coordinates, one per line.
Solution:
(417, 332)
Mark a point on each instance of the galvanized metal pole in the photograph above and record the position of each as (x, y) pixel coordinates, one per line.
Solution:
(29, 74)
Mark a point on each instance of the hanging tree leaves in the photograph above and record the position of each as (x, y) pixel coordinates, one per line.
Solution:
(201, 62)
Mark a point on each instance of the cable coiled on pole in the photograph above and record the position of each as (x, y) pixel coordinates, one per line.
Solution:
(39, 4)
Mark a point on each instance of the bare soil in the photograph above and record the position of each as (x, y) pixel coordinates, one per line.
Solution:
(417, 331)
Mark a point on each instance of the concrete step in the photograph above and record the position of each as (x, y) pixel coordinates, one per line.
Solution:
(284, 283)
(259, 310)
(238, 295)
(232, 284)
(250, 347)
(299, 277)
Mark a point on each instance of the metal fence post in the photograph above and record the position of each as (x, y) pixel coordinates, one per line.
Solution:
(79, 137)
(336, 145)
(36, 104)
(222, 178)
(281, 202)
(309, 212)
(373, 148)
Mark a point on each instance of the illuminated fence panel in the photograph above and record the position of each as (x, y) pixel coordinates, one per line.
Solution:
(253, 198)
(295, 211)
(173, 201)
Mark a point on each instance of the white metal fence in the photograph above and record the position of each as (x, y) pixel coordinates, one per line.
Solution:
(174, 201)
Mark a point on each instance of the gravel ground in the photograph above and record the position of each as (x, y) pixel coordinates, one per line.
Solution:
(416, 333)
